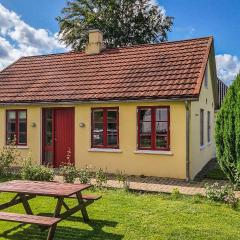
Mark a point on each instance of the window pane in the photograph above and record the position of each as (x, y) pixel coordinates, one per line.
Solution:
(112, 127)
(145, 127)
(209, 127)
(161, 141)
(22, 126)
(206, 77)
(11, 115)
(98, 115)
(48, 160)
(112, 139)
(104, 127)
(49, 125)
(145, 114)
(22, 139)
(11, 126)
(97, 139)
(49, 139)
(112, 115)
(201, 127)
(145, 141)
(98, 127)
(161, 127)
(22, 115)
(161, 114)
(48, 113)
(11, 137)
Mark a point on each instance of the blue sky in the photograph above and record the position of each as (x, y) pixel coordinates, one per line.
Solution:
(28, 27)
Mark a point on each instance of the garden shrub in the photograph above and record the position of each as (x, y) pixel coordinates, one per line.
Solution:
(216, 192)
(227, 132)
(9, 156)
(223, 193)
(101, 178)
(84, 175)
(35, 172)
(122, 179)
(69, 173)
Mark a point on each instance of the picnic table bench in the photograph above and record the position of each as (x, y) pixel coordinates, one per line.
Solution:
(27, 190)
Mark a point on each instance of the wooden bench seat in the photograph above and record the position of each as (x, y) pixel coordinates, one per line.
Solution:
(87, 197)
(29, 219)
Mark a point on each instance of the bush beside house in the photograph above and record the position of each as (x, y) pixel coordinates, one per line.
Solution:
(228, 133)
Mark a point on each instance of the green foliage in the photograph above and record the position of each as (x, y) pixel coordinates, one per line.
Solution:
(175, 193)
(101, 178)
(227, 133)
(123, 22)
(9, 156)
(198, 198)
(216, 192)
(122, 179)
(84, 175)
(35, 172)
(223, 193)
(69, 173)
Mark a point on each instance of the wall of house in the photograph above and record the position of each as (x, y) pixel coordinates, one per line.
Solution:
(200, 155)
(166, 164)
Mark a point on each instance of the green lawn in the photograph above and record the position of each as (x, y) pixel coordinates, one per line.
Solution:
(120, 215)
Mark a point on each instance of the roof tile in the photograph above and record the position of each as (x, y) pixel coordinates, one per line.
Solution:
(165, 70)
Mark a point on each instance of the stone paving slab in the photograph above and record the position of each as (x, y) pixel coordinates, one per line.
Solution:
(161, 185)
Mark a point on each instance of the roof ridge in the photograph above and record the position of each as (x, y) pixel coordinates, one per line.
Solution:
(124, 47)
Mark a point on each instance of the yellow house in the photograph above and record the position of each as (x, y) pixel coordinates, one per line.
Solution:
(145, 109)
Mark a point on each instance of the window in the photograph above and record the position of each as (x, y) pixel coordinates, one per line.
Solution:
(201, 127)
(209, 126)
(105, 128)
(153, 128)
(17, 127)
(206, 77)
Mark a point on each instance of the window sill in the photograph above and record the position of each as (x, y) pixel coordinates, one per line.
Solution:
(209, 143)
(202, 147)
(153, 152)
(110, 150)
(22, 147)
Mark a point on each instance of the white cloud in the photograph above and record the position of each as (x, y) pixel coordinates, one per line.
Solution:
(17, 38)
(228, 67)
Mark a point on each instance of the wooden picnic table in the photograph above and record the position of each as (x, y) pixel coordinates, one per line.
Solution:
(26, 190)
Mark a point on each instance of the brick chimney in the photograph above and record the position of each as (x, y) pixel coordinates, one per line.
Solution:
(95, 43)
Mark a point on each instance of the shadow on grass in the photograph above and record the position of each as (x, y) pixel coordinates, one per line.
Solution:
(27, 232)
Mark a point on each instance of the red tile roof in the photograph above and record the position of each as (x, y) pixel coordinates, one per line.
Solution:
(155, 71)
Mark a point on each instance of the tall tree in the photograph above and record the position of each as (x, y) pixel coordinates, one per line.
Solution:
(227, 133)
(123, 22)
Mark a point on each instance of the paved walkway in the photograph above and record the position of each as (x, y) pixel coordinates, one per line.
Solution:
(164, 185)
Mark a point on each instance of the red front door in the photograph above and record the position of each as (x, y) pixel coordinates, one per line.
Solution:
(58, 136)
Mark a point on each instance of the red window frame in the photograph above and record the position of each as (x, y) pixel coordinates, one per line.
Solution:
(105, 123)
(153, 128)
(17, 126)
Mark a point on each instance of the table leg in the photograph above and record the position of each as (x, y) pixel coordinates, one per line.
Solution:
(57, 212)
(83, 209)
(26, 204)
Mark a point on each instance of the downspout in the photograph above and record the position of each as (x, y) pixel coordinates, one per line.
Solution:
(187, 106)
